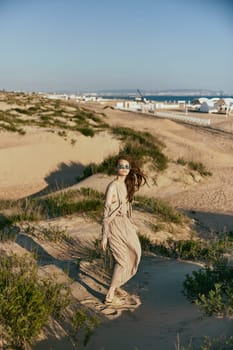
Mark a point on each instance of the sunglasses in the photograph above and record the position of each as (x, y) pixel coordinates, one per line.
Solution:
(121, 166)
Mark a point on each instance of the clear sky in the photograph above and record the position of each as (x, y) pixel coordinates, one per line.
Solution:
(48, 45)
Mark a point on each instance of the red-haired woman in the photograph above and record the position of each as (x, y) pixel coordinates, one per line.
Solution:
(117, 229)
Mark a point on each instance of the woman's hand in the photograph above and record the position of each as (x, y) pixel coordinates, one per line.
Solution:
(104, 244)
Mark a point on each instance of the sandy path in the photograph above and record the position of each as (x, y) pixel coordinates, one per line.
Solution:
(163, 314)
(152, 314)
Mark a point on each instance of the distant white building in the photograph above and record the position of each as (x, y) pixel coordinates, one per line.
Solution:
(209, 106)
(195, 105)
(133, 105)
(148, 107)
(120, 105)
(222, 106)
(57, 96)
(212, 105)
(217, 105)
(88, 98)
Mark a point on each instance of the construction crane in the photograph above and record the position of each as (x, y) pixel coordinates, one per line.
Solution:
(141, 98)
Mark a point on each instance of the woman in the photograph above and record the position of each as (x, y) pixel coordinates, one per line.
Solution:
(117, 229)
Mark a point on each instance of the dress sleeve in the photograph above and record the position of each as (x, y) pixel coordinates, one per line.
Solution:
(129, 214)
(107, 211)
(105, 223)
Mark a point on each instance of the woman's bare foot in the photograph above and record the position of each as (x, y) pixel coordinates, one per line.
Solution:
(121, 293)
(110, 295)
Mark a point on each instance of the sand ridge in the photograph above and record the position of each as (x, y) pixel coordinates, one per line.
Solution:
(212, 194)
(32, 162)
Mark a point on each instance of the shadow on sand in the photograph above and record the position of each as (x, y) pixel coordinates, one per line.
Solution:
(71, 267)
(207, 223)
(75, 271)
(63, 177)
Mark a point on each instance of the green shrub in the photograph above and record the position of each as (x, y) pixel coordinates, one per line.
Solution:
(8, 233)
(154, 247)
(62, 133)
(86, 131)
(160, 208)
(52, 208)
(83, 118)
(73, 142)
(211, 289)
(146, 243)
(208, 252)
(221, 343)
(45, 118)
(83, 321)
(197, 166)
(86, 201)
(27, 302)
(52, 233)
(181, 161)
(142, 145)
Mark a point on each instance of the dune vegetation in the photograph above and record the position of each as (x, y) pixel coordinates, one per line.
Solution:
(38, 111)
(29, 303)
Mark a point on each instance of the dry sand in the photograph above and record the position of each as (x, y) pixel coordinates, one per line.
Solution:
(41, 160)
(155, 310)
(163, 315)
(212, 194)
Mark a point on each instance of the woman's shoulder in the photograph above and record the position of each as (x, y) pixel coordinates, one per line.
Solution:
(112, 185)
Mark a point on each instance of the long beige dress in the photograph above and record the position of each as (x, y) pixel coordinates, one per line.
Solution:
(122, 237)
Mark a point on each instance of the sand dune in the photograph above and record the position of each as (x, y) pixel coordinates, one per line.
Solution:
(32, 162)
(212, 194)
(154, 311)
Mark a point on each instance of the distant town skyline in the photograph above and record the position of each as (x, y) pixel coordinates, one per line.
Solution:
(73, 45)
(151, 92)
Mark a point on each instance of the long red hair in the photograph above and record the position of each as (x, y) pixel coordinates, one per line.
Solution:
(135, 178)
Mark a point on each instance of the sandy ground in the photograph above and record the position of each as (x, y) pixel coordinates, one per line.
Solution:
(163, 315)
(42, 160)
(215, 151)
(155, 311)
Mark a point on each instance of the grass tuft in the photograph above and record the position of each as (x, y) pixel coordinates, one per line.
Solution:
(52, 233)
(159, 208)
(196, 166)
(204, 251)
(84, 201)
(45, 113)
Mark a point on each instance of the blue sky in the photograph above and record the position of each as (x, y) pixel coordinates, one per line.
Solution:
(89, 45)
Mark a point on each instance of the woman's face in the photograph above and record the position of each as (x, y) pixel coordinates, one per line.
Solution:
(123, 167)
